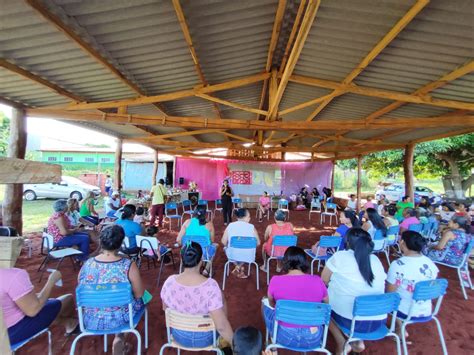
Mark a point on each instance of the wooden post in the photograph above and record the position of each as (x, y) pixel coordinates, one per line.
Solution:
(155, 168)
(408, 171)
(13, 200)
(118, 165)
(332, 176)
(359, 173)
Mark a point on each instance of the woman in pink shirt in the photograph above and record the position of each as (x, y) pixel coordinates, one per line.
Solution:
(26, 312)
(280, 227)
(296, 285)
(409, 218)
(263, 206)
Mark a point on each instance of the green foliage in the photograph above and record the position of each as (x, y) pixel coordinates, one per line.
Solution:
(97, 145)
(4, 133)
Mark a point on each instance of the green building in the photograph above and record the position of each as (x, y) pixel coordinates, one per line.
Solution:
(94, 159)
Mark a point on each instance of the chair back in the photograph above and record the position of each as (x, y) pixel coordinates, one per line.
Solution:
(284, 240)
(330, 241)
(282, 204)
(203, 241)
(218, 202)
(315, 204)
(426, 229)
(378, 234)
(392, 234)
(243, 242)
(147, 242)
(379, 241)
(47, 242)
(376, 305)
(430, 289)
(104, 296)
(203, 203)
(170, 206)
(303, 313)
(186, 205)
(469, 248)
(417, 227)
(331, 206)
(126, 242)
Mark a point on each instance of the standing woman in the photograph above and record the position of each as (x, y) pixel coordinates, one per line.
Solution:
(226, 194)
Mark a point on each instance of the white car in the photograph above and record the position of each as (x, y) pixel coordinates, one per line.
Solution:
(395, 192)
(68, 187)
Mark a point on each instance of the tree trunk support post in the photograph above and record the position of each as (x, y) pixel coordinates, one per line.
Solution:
(118, 165)
(155, 167)
(13, 200)
(359, 173)
(332, 176)
(408, 171)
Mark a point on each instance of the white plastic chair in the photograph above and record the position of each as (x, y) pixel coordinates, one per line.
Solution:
(284, 206)
(315, 208)
(330, 210)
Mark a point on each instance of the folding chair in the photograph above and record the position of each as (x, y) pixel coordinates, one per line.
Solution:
(315, 208)
(134, 254)
(463, 267)
(391, 240)
(187, 209)
(268, 213)
(329, 210)
(331, 241)
(426, 291)
(15, 347)
(171, 212)
(373, 305)
(283, 205)
(204, 243)
(307, 314)
(425, 230)
(55, 253)
(150, 248)
(417, 227)
(205, 203)
(189, 323)
(109, 296)
(278, 241)
(241, 243)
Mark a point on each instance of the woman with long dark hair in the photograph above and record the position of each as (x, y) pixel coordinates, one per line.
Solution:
(349, 274)
(373, 223)
(226, 194)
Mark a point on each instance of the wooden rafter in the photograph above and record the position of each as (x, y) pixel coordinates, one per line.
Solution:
(200, 122)
(8, 102)
(176, 95)
(180, 134)
(231, 104)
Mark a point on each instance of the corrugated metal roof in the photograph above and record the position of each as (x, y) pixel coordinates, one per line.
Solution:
(144, 41)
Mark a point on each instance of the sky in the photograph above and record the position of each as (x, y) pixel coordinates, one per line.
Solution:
(48, 128)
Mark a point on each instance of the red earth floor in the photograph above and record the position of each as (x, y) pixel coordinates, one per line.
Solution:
(243, 300)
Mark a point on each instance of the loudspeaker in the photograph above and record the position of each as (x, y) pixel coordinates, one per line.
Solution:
(181, 180)
(193, 197)
(168, 181)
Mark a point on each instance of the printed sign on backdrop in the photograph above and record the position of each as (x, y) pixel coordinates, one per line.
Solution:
(241, 177)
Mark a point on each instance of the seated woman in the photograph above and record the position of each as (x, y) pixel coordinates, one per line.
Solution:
(406, 271)
(280, 227)
(193, 294)
(64, 234)
(112, 205)
(87, 210)
(240, 228)
(303, 195)
(263, 206)
(389, 216)
(199, 226)
(409, 218)
(349, 274)
(348, 219)
(296, 285)
(131, 228)
(373, 223)
(106, 268)
(452, 245)
(26, 312)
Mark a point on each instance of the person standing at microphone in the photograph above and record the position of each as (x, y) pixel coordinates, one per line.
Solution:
(226, 194)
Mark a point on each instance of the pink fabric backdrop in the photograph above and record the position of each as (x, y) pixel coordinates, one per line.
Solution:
(209, 174)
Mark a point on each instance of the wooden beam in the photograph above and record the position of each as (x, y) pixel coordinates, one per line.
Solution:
(235, 136)
(306, 24)
(466, 121)
(408, 171)
(20, 171)
(382, 94)
(172, 95)
(359, 181)
(231, 104)
(13, 198)
(118, 165)
(33, 77)
(11, 103)
(180, 134)
(155, 167)
(306, 104)
(273, 87)
(333, 171)
(455, 74)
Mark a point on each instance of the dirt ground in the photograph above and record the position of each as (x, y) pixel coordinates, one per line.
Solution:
(243, 300)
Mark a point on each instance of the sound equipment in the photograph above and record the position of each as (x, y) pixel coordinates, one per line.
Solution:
(181, 180)
(193, 197)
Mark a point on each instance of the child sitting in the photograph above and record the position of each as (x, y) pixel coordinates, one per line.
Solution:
(152, 231)
(248, 341)
(140, 216)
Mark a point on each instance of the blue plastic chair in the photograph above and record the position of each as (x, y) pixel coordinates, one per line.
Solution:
(379, 241)
(391, 240)
(373, 305)
(462, 267)
(283, 205)
(238, 242)
(417, 227)
(426, 291)
(218, 206)
(204, 243)
(15, 347)
(108, 296)
(237, 202)
(187, 209)
(307, 314)
(331, 241)
(278, 241)
(171, 212)
(205, 204)
(329, 210)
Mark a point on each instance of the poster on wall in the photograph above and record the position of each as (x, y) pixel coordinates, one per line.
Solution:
(241, 177)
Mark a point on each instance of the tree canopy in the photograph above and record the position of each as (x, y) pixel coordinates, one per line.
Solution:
(4, 133)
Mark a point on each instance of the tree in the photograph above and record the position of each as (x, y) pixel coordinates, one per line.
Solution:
(452, 159)
(4, 134)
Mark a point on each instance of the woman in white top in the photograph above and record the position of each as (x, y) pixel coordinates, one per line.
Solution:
(240, 228)
(405, 272)
(373, 223)
(349, 274)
